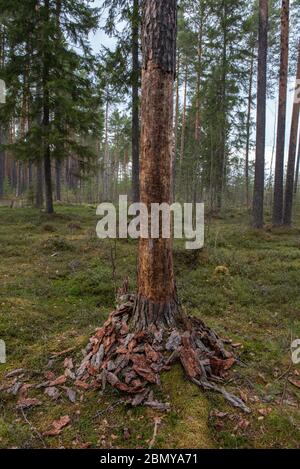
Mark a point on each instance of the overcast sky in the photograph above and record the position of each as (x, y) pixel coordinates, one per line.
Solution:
(100, 38)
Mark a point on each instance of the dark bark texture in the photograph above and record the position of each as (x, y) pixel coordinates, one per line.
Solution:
(280, 145)
(259, 182)
(58, 179)
(289, 190)
(2, 163)
(135, 104)
(297, 168)
(46, 124)
(159, 35)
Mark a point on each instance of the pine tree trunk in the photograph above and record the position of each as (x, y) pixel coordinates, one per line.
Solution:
(297, 168)
(174, 161)
(281, 125)
(184, 115)
(58, 179)
(248, 127)
(46, 122)
(106, 171)
(198, 107)
(157, 300)
(2, 162)
(290, 176)
(39, 197)
(135, 104)
(259, 182)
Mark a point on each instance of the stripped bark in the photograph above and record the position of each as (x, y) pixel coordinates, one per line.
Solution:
(156, 284)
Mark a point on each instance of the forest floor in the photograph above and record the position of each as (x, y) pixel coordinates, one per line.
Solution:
(58, 283)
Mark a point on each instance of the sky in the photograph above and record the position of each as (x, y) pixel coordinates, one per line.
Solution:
(100, 39)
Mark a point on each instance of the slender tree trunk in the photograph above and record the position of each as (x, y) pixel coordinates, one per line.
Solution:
(176, 128)
(281, 125)
(106, 172)
(199, 70)
(297, 168)
(58, 179)
(2, 162)
(184, 115)
(157, 299)
(259, 182)
(248, 126)
(39, 195)
(46, 121)
(135, 104)
(290, 176)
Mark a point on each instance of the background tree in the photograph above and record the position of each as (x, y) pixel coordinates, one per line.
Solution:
(290, 177)
(281, 128)
(259, 182)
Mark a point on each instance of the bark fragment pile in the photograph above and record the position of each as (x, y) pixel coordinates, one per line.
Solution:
(133, 361)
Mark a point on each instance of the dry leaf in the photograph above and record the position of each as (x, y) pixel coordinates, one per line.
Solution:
(57, 426)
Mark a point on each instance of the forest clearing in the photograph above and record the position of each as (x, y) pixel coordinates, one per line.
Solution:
(149, 229)
(60, 278)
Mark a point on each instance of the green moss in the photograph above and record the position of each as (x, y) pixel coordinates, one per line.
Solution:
(57, 288)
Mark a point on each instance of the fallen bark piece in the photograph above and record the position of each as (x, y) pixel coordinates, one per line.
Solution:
(58, 381)
(52, 392)
(26, 403)
(96, 360)
(189, 358)
(151, 354)
(68, 363)
(14, 389)
(295, 382)
(219, 366)
(69, 374)
(71, 394)
(57, 426)
(233, 400)
(63, 352)
(160, 406)
(14, 373)
(81, 384)
(143, 368)
(173, 342)
(218, 414)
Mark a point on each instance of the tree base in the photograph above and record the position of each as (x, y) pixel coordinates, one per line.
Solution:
(162, 316)
(130, 351)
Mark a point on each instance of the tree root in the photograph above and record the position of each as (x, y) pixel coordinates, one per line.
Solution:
(132, 361)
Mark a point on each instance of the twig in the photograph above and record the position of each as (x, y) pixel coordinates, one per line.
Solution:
(235, 401)
(33, 429)
(157, 421)
(110, 407)
(285, 384)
